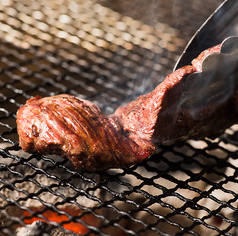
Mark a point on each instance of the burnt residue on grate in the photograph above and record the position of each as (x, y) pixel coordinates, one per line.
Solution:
(108, 53)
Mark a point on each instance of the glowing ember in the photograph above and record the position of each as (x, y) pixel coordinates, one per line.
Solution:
(76, 227)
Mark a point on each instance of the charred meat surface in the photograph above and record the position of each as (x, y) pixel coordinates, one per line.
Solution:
(161, 117)
(77, 129)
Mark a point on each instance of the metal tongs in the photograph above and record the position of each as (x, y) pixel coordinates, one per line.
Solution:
(222, 23)
(219, 76)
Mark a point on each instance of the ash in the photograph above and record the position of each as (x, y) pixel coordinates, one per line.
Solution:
(31, 183)
(37, 228)
(40, 228)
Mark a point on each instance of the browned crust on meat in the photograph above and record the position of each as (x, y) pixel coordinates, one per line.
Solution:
(77, 129)
(151, 116)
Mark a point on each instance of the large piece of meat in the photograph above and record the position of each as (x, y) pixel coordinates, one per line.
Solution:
(77, 129)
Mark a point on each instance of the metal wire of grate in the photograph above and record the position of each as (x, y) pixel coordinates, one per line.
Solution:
(107, 52)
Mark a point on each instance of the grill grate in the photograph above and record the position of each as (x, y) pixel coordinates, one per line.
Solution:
(108, 53)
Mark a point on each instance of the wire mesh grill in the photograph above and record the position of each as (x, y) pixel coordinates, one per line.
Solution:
(107, 52)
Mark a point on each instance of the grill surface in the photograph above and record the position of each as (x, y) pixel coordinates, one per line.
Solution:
(109, 53)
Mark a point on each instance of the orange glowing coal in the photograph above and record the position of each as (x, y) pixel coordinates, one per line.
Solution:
(76, 227)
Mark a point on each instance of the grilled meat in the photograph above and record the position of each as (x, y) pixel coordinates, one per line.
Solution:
(77, 129)
(161, 117)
